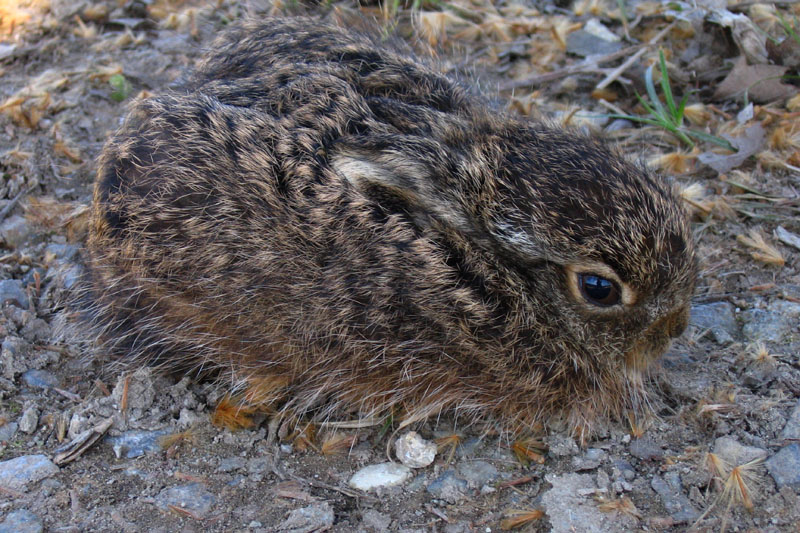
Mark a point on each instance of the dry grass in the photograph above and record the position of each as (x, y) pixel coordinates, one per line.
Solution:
(764, 252)
(516, 518)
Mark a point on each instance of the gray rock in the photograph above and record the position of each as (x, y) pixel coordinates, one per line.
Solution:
(477, 473)
(676, 502)
(380, 475)
(646, 450)
(15, 231)
(11, 291)
(792, 428)
(736, 454)
(18, 473)
(571, 508)
(448, 487)
(64, 252)
(777, 323)
(317, 517)
(192, 498)
(36, 330)
(582, 43)
(29, 420)
(590, 460)
(231, 464)
(7, 432)
(259, 465)
(140, 390)
(784, 466)
(372, 520)
(40, 379)
(717, 317)
(136, 443)
(14, 356)
(414, 451)
(21, 521)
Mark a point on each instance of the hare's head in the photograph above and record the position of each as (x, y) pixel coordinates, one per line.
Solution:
(597, 253)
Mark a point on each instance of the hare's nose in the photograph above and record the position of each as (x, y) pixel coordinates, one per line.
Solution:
(677, 322)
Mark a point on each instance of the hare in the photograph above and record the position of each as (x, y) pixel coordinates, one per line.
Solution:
(332, 228)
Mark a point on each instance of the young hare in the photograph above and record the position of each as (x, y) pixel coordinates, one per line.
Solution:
(333, 228)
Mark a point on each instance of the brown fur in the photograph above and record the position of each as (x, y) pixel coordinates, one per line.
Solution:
(345, 230)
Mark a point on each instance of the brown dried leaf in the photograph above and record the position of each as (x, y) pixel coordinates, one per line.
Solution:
(762, 82)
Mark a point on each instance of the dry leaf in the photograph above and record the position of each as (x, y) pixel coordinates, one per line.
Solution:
(747, 145)
(761, 82)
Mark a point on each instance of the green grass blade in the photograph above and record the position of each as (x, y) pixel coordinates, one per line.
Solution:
(666, 89)
(651, 91)
(712, 139)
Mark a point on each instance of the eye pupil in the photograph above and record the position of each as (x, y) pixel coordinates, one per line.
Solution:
(598, 290)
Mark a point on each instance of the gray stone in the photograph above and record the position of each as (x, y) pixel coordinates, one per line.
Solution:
(11, 291)
(736, 454)
(792, 428)
(139, 389)
(717, 317)
(414, 451)
(7, 432)
(582, 43)
(646, 450)
(15, 231)
(136, 443)
(14, 355)
(64, 252)
(448, 487)
(477, 473)
(260, 464)
(380, 475)
(29, 420)
(372, 520)
(316, 517)
(784, 466)
(18, 473)
(590, 460)
(36, 330)
(40, 379)
(21, 521)
(231, 464)
(192, 498)
(777, 323)
(571, 508)
(676, 502)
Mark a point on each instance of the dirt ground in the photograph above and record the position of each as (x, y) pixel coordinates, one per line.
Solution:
(723, 448)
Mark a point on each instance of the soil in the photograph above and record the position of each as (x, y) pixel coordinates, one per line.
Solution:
(727, 390)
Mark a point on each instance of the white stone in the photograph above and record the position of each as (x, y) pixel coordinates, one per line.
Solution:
(414, 451)
(381, 475)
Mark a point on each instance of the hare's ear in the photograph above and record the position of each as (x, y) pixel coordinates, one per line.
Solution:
(415, 172)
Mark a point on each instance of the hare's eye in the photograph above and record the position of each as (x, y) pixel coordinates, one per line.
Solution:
(598, 291)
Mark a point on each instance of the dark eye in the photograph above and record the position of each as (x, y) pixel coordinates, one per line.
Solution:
(597, 290)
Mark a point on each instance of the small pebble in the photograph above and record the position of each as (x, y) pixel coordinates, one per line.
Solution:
(193, 498)
(11, 291)
(477, 473)
(380, 475)
(136, 443)
(717, 317)
(17, 474)
(317, 517)
(784, 466)
(448, 487)
(735, 454)
(231, 464)
(29, 420)
(646, 450)
(792, 428)
(414, 451)
(675, 501)
(774, 324)
(21, 521)
(40, 379)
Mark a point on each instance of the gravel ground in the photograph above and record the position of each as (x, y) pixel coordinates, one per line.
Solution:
(85, 449)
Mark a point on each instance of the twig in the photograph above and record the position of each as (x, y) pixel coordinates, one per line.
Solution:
(10, 205)
(635, 57)
(586, 66)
